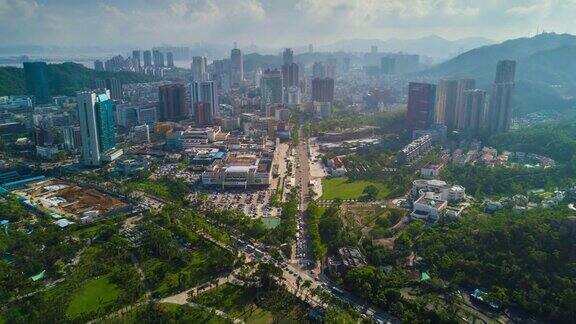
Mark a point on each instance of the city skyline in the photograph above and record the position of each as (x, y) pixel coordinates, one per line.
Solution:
(147, 23)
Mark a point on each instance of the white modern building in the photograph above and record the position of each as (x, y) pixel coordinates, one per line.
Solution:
(239, 171)
(446, 192)
(428, 207)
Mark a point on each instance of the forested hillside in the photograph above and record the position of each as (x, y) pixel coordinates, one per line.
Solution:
(64, 78)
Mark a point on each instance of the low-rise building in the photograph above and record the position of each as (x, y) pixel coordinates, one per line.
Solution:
(239, 170)
(429, 207)
(446, 192)
(431, 171)
(415, 150)
(130, 167)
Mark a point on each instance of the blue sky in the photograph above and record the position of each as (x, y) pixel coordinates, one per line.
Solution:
(273, 23)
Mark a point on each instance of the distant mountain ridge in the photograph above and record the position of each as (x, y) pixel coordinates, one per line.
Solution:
(545, 70)
(432, 46)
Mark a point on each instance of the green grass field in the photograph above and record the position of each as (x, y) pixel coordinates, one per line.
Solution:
(270, 222)
(343, 188)
(93, 294)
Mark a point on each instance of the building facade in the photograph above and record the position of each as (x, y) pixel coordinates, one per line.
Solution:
(500, 110)
(421, 100)
(323, 89)
(172, 102)
(97, 128)
(36, 78)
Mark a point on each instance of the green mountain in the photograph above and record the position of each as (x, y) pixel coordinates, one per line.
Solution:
(64, 79)
(545, 71)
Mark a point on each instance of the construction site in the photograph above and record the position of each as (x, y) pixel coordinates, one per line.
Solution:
(69, 199)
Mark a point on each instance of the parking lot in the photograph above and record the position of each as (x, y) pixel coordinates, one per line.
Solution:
(254, 203)
(172, 170)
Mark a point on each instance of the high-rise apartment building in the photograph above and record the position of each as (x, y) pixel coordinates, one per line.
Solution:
(199, 68)
(205, 92)
(462, 86)
(236, 67)
(98, 132)
(172, 102)
(271, 87)
(288, 56)
(505, 71)
(202, 113)
(421, 101)
(500, 110)
(136, 59)
(147, 58)
(36, 78)
(291, 75)
(445, 111)
(323, 89)
(98, 65)
(158, 58)
(170, 59)
(112, 84)
(473, 112)
(387, 65)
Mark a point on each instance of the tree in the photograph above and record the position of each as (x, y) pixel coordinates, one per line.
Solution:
(370, 193)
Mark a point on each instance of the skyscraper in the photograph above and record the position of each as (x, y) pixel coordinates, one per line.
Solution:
(461, 116)
(112, 84)
(290, 75)
(96, 126)
(36, 78)
(170, 59)
(346, 64)
(387, 65)
(199, 70)
(236, 67)
(445, 111)
(147, 58)
(202, 112)
(317, 70)
(172, 102)
(473, 112)
(205, 92)
(323, 89)
(288, 56)
(505, 71)
(500, 110)
(98, 65)
(271, 88)
(421, 100)
(136, 59)
(158, 58)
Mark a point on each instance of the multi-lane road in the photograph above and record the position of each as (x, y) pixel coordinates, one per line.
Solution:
(303, 254)
(305, 265)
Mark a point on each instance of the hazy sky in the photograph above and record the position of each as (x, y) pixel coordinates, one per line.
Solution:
(272, 23)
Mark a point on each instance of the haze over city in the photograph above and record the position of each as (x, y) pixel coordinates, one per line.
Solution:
(272, 24)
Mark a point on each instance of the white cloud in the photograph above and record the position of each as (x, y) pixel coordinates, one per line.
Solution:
(272, 22)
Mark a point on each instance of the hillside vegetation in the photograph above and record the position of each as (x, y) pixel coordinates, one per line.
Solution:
(64, 78)
(544, 73)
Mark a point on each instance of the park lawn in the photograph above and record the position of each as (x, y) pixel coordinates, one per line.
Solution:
(270, 222)
(194, 269)
(156, 188)
(93, 294)
(237, 302)
(178, 313)
(343, 188)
